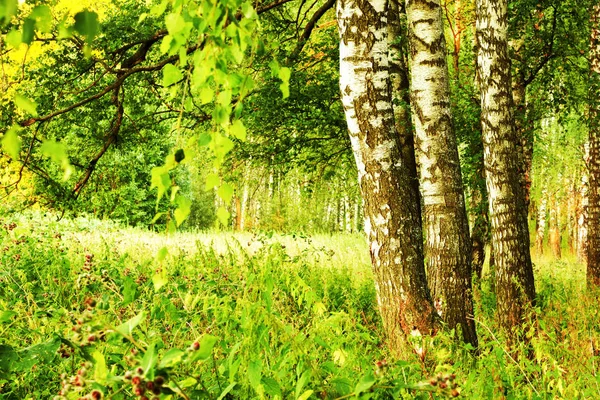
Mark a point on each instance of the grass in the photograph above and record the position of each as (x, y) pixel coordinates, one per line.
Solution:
(93, 310)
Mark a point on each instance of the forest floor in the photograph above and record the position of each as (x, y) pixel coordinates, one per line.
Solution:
(88, 308)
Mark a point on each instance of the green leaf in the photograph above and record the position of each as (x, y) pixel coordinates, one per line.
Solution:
(204, 138)
(212, 181)
(238, 130)
(57, 153)
(8, 8)
(179, 155)
(223, 215)
(39, 354)
(14, 38)
(161, 180)
(171, 358)
(271, 386)
(8, 356)
(183, 209)
(162, 254)
(100, 370)
(11, 143)
(227, 390)
(159, 9)
(28, 31)
(206, 95)
(171, 75)
(43, 18)
(285, 74)
(207, 343)
(86, 24)
(305, 395)
(129, 290)
(149, 362)
(225, 192)
(126, 328)
(302, 382)
(6, 316)
(25, 104)
(255, 373)
(175, 23)
(364, 384)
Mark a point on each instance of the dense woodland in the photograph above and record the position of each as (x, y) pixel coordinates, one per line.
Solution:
(473, 127)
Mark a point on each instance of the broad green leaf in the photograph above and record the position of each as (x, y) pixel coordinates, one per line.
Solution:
(26, 104)
(183, 209)
(126, 328)
(149, 362)
(171, 75)
(207, 343)
(129, 290)
(238, 130)
(212, 181)
(225, 192)
(8, 8)
(223, 215)
(57, 153)
(86, 24)
(171, 358)
(159, 9)
(39, 354)
(14, 38)
(255, 373)
(159, 280)
(224, 97)
(28, 31)
(8, 356)
(6, 316)
(100, 370)
(364, 384)
(206, 95)
(204, 138)
(175, 23)
(43, 18)
(11, 143)
(161, 180)
(271, 386)
(162, 254)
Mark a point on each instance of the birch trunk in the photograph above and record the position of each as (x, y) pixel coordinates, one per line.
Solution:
(448, 244)
(554, 237)
(582, 232)
(541, 223)
(391, 214)
(593, 248)
(515, 289)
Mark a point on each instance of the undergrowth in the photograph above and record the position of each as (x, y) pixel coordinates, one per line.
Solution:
(83, 318)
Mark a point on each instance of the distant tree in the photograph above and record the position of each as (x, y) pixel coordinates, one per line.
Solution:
(514, 280)
(447, 245)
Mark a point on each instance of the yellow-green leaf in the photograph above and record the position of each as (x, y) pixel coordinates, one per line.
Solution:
(26, 104)
(238, 130)
(171, 75)
(11, 143)
(225, 192)
(100, 370)
(223, 215)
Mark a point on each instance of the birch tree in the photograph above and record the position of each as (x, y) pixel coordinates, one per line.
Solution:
(391, 205)
(514, 280)
(593, 226)
(448, 245)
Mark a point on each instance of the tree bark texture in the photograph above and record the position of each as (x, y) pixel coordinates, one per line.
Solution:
(541, 223)
(593, 248)
(515, 289)
(554, 228)
(448, 244)
(391, 205)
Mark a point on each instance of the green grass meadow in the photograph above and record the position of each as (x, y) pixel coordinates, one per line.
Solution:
(91, 310)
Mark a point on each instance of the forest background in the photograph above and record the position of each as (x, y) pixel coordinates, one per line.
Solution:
(227, 116)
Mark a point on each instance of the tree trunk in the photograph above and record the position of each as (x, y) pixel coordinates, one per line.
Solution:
(515, 289)
(593, 248)
(554, 237)
(541, 223)
(582, 216)
(391, 211)
(448, 244)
